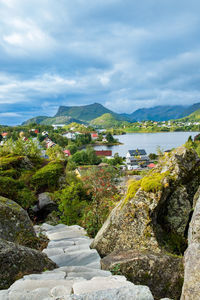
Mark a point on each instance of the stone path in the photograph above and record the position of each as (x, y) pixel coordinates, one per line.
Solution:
(78, 276)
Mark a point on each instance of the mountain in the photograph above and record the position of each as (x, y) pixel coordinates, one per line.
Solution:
(195, 116)
(84, 113)
(158, 113)
(106, 121)
(190, 109)
(36, 120)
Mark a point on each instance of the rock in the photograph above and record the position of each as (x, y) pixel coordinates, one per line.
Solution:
(191, 286)
(152, 221)
(15, 224)
(44, 207)
(123, 293)
(16, 261)
(149, 269)
(156, 211)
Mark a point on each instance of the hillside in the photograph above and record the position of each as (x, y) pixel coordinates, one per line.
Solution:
(84, 113)
(195, 116)
(36, 120)
(60, 120)
(106, 121)
(158, 113)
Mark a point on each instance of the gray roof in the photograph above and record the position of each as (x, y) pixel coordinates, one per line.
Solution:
(137, 152)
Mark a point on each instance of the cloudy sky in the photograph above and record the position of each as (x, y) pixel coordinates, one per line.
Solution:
(125, 54)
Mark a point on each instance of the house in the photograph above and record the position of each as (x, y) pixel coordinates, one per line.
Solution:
(56, 126)
(135, 157)
(103, 153)
(67, 153)
(94, 136)
(4, 134)
(151, 165)
(45, 133)
(69, 135)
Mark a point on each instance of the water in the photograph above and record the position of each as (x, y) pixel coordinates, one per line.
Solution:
(148, 141)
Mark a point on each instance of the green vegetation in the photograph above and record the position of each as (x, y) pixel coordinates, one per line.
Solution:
(108, 120)
(47, 177)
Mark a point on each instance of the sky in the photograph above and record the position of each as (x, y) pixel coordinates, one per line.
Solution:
(124, 54)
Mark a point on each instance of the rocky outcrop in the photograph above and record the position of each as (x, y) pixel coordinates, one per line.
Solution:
(152, 221)
(156, 211)
(191, 286)
(44, 206)
(151, 269)
(15, 224)
(16, 260)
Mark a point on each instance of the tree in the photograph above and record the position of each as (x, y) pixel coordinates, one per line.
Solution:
(110, 138)
(101, 185)
(56, 153)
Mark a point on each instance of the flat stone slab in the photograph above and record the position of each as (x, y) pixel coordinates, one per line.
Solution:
(65, 234)
(134, 292)
(4, 295)
(60, 244)
(53, 251)
(46, 276)
(80, 258)
(37, 294)
(30, 285)
(99, 283)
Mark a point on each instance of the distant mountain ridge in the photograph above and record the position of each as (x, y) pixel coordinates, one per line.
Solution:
(87, 113)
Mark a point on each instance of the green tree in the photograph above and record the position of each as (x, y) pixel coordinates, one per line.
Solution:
(56, 153)
(110, 138)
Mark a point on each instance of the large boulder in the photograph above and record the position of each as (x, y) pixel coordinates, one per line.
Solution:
(15, 224)
(151, 269)
(156, 210)
(16, 261)
(191, 286)
(44, 207)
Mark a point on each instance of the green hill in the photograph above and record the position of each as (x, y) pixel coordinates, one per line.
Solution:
(195, 116)
(35, 120)
(107, 121)
(84, 113)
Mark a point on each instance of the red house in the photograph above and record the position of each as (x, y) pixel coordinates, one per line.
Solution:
(103, 153)
(94, 136)
(67, 152)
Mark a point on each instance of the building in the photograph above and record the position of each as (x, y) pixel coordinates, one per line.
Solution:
(94, 136)
(136, 157)
(69, 135)
(103, 153)
(67, 153)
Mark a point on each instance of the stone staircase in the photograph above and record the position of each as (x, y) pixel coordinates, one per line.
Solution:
(78, 276)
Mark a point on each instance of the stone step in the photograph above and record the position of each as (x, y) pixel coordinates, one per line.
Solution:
(79, 258)
(65, 234)
(49, 275)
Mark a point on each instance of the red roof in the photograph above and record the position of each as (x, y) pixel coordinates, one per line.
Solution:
(36, 131)
(67, 152)
(94, 135)
(4, 134)
(103, 153)
(151, 165)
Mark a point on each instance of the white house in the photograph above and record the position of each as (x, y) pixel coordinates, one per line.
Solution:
(133, 157)
(70, 135)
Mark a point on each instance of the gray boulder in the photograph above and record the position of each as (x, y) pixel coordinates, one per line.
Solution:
(45, 206)
(191, 286)
(15, 224)
(156, 210)
(16, 261)
(151, 269)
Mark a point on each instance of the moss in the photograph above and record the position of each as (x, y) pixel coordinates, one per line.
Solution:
(10, 173)
(174, 243)
(153, 182)
(10, 162)
(47, 177)
(9, 187)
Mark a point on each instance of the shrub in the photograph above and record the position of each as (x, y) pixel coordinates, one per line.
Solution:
(47, 177)
(10, 173)
(9, 187)
(9, 162)
(72, 201)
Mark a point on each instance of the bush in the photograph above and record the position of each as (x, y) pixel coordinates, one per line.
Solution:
(9, 162)
(9, 187)
(47, 177)
(10, 173)
(72, 201)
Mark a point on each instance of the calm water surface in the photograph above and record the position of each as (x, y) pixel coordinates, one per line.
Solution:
(148, 141)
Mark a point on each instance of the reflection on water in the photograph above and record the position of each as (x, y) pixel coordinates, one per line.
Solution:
(148, 141)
